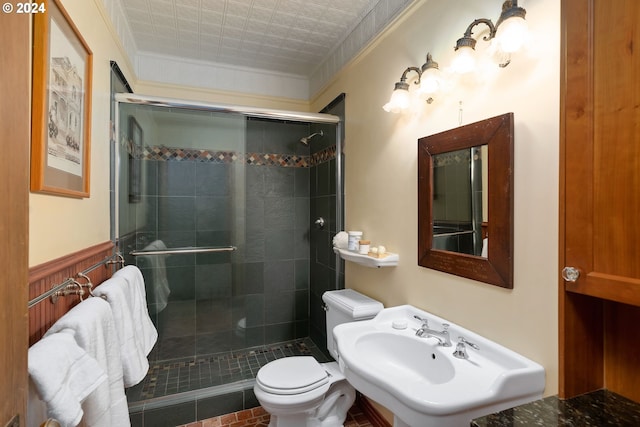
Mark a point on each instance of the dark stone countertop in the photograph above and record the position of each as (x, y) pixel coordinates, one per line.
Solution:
(599, 408)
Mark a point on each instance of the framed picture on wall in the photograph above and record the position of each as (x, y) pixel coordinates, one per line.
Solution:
(135, 159)
(61, 105)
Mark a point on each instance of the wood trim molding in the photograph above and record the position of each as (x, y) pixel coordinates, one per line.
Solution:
(44, 276)
(41, 271)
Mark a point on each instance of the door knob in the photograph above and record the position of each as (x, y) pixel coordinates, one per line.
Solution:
(570, 274)
(319, 223)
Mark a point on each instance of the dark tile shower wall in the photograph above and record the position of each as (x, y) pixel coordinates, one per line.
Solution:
(257, 295)
(323, 262)
(189, 204)
(276, 264)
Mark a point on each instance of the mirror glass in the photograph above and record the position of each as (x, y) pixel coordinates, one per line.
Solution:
(459, 201)
(465, 201)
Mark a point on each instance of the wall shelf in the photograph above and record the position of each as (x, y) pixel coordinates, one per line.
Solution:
(390, 260)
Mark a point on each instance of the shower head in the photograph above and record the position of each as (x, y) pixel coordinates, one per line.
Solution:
(306, 139)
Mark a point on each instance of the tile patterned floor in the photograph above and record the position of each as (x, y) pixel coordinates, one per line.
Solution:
(257, 417)
(179, 375)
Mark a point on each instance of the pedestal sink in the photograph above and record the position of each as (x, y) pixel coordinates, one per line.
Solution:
(422, 382)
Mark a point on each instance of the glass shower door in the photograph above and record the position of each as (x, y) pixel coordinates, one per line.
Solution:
(181, 214)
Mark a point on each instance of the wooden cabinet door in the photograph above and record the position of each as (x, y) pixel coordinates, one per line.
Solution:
(600, 197)
(14, 191)
(600, 155)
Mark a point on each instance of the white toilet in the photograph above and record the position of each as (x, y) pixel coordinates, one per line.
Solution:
(300, 392)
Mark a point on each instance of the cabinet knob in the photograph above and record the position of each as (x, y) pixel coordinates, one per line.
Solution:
(570, 274)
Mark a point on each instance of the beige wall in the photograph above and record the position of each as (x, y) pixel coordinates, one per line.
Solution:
(381, 172)
(61, 225)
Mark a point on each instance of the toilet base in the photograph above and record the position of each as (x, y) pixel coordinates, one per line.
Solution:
(330, 411)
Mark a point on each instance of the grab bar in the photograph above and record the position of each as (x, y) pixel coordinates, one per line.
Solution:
(187, 250)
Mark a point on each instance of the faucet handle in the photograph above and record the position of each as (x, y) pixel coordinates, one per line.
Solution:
(463, 340)
(461, 350)
(425, 322)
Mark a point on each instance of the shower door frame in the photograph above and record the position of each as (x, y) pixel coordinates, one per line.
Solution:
(254, 112)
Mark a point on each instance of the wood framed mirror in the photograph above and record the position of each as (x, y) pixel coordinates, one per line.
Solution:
(465, 218)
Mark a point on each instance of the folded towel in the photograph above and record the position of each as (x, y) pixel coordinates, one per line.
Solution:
(144, 330)
(91, 325)
(159, 282)
(134, 361)
(63, 375)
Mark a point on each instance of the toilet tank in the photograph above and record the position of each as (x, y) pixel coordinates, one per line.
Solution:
(347, 305)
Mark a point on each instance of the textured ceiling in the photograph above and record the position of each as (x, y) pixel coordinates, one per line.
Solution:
(291, 36)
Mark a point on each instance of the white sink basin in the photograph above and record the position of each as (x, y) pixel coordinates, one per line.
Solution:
(422, 383)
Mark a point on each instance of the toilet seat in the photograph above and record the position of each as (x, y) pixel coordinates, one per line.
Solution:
(292, 375)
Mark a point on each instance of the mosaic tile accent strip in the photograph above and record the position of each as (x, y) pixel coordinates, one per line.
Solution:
(179, 375)
(324, 155)
(453, 157)
(162, 153)
(284, 160)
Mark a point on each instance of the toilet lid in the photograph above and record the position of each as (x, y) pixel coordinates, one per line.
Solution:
(292, 375)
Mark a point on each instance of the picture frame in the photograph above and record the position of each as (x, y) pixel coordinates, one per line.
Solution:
(136, 141)
(61, 105)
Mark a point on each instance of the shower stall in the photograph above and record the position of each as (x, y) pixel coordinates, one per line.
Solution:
(229, 212)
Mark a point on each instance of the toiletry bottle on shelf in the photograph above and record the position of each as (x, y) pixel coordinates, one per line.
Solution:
(354, 238)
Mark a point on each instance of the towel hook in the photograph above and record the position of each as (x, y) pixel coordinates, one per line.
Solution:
(68, 290)
(119, 261)
(88, 285)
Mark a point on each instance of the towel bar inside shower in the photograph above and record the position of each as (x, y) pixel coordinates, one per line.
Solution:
(185, 250)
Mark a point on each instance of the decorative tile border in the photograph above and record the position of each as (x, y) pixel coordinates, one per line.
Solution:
(162, 153)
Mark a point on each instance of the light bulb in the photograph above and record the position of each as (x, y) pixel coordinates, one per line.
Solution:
(512, 34)
(430, 81)
(464, 60)
(398, 102)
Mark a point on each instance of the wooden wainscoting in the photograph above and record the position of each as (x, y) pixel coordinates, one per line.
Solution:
(45, 276)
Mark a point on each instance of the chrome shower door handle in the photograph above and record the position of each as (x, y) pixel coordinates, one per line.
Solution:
(570, 274)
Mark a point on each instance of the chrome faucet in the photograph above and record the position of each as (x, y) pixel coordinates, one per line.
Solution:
(442, 336)
(461, 350)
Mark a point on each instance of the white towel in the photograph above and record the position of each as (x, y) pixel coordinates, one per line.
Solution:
(160, 284)
(144, 330)
(134, 360)
(91, 325)
(485, 248)
(63, 375)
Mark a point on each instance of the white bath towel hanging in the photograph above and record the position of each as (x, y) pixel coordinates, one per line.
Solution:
(91, 325)
(134, 360)
(144, 329)
(160, 284)
(63, 375)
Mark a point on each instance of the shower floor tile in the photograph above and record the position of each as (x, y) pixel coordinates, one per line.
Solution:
(192, 373)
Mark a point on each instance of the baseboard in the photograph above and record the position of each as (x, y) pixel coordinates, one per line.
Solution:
(374, 416)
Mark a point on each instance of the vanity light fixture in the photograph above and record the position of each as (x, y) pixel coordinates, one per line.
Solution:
(428, 80)
(400, 99)
(508, 35)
